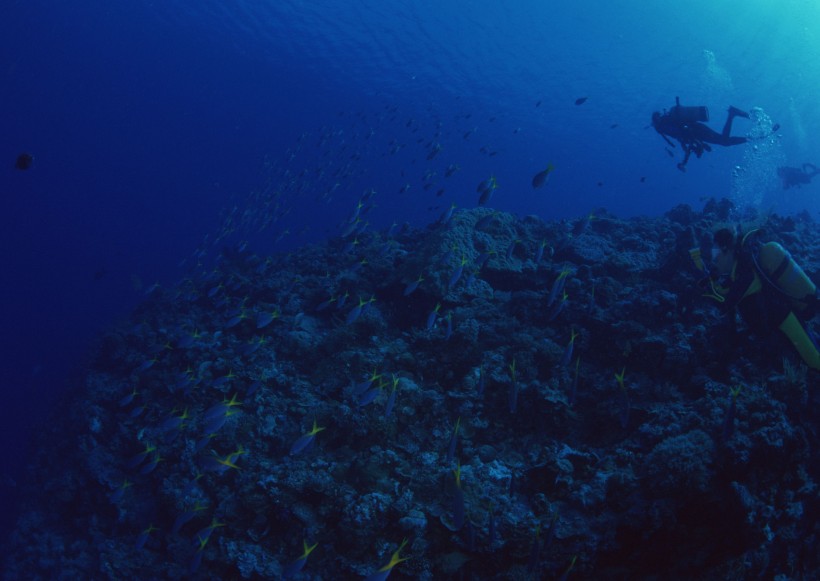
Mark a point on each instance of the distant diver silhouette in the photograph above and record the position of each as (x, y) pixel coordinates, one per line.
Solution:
(797, 176)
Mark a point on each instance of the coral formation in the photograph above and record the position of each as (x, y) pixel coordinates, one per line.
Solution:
(567, 407)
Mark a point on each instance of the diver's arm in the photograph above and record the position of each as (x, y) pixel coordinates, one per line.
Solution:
(687, 152)
(738, 288)
(666, 139)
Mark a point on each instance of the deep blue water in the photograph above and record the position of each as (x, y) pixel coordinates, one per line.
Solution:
(150, 120)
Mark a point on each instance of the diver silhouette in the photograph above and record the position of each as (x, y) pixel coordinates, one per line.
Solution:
(686, 125)
(762, 282)
(797, 176)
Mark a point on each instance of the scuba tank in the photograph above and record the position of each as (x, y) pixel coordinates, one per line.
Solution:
(785, 274)
(689, 114)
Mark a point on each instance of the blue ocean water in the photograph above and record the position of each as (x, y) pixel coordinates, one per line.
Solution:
(156, 124)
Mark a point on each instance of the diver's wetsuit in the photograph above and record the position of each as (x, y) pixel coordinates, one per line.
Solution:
(694, 136)
(797, 176)
(765, 308)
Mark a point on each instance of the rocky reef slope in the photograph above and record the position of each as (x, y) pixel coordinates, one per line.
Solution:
(516, 399)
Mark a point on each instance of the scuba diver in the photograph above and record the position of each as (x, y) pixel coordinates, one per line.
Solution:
(797, 176)
(686, 125)
(766, 286)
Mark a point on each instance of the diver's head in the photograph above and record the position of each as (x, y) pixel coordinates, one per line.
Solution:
(656, 118)
(723, 256)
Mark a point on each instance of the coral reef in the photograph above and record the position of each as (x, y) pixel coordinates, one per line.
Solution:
(517, 399)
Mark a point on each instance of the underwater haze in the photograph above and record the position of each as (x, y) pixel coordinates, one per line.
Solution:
(166, 136)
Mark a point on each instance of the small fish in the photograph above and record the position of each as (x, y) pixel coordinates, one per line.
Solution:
(542, 177)
(413, 285)
(148, 468)
(117, 495)
(128, 398)
(324, 304)
(221, 408)
(384, 571)
(568, 351)
(557, 307)
(370, 395)
(24, 161)
(355, 312)
(451, 448)
(540, 252)
(445, 217)
(296, 566)
(484, 184)
(136, 460)
(391, 400)
(511, 248)
(342, 300)
(486, 189)
(482, 260)
(142, 538)
(558, 286)
(306, 440)
(265, 319)
(458, 499)
(581, 225)
(565, 575)
(581, 100)
(186, 516)
(457, 273)
(431, 318)
(196, 561)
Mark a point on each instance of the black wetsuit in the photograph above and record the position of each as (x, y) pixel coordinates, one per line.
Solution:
(797, 176)
(759, 305)
(765, 309)
(694, 136)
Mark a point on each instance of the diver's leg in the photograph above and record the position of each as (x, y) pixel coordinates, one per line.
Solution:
(687, 152)
(705, 134)
(727, 127)
(802, 340)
